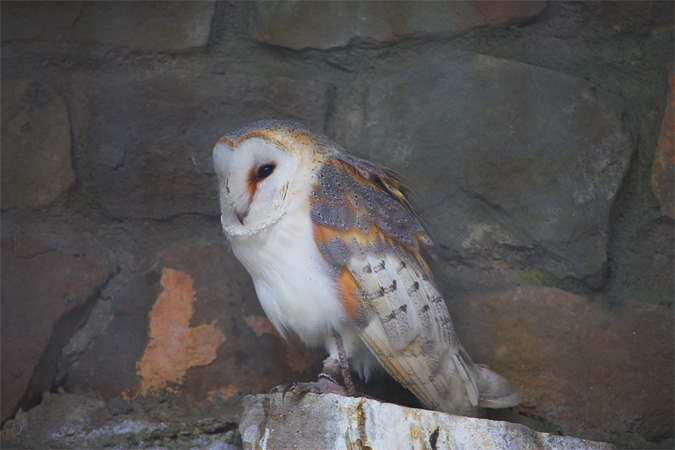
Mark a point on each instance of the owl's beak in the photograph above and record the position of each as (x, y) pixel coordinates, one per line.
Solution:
(241, 215)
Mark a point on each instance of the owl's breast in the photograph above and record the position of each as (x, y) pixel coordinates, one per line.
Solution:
(291, 279)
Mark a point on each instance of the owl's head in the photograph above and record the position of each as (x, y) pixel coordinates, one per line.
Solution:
(257, 172)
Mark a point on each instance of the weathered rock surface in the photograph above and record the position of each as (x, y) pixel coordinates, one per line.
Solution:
(44, 292)
(586, 368)
(36, 164)
(663, 166)
(136, 26)
(133, 160)
(514, 166)
(77, 421)
(332, 421)
(325, 25)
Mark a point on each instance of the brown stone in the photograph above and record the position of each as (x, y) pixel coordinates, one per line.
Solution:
(36, 163)
(137, 26)
(40, 286)
(663, 166)
(324, 25)
(585, 370)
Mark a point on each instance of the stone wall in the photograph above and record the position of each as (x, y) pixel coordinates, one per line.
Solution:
(537, 137)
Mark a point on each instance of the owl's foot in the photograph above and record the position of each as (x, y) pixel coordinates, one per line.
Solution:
(320, 386)
(328, 383)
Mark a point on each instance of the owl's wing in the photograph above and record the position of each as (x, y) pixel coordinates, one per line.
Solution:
(371, 237)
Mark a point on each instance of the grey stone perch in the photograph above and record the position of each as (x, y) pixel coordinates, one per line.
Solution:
(334, 422)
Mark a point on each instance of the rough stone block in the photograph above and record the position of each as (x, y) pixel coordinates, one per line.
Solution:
(585, 369)
(40, 287)
(332, 421)
(186, 322)
(663, 167)
(36, 164)
(152, 139)
(325, 25)
(515, 166)
(137, 26)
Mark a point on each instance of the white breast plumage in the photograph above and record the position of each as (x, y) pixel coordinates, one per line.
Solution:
(290, 278)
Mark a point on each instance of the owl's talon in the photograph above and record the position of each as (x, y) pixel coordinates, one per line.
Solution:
(289, 387)
(283, 388)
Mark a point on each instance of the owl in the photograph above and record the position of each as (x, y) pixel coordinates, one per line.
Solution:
(338, 257)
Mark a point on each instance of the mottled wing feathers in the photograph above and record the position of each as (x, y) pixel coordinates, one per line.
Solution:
(408, 329)
(373, 241)
(355, 194)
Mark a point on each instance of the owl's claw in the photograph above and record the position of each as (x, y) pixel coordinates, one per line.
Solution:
(328, 383)
(288, 387)
(295, 387)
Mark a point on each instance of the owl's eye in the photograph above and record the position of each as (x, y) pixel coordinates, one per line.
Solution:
(265, 171)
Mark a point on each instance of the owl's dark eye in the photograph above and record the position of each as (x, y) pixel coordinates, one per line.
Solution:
(265, 171)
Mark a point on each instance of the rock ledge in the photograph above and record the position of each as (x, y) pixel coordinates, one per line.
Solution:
(331, 422)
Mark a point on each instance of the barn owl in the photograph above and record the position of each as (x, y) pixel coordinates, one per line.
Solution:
(338, 257)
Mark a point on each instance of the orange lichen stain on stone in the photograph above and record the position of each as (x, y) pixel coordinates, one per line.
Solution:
(223, 392)
(297, 358)
(174, 347)
(261, 325)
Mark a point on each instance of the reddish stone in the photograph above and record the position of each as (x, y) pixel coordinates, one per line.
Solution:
(40, 286)
(663, 166)
(585, 370)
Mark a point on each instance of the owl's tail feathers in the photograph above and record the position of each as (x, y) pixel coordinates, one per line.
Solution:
(494, 391)
(474, 386)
